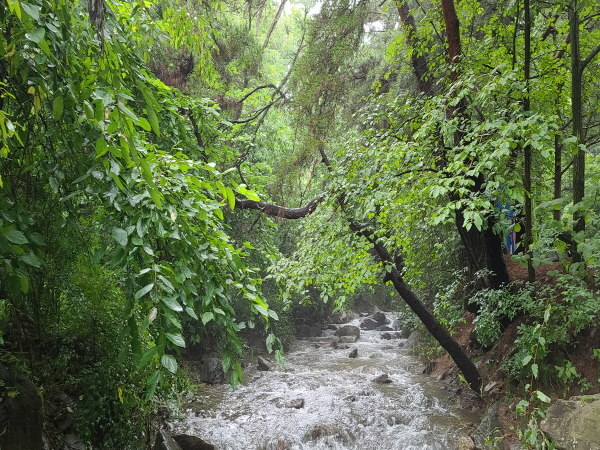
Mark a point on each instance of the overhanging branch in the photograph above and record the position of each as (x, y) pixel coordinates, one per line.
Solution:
(279, 211)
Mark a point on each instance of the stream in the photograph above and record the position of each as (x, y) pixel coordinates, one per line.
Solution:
(343, 408)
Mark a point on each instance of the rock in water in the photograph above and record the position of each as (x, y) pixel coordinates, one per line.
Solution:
(164, 441)
(348, 330)
(575, 423)
(211, 370)
(380, 318)
(368, 323)
(382, 379)
(353, 353)
(187, 442)
(264, 364)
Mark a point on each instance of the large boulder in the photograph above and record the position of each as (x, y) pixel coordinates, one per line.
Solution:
(575, 423)
(211, 370)
(348, 330)
(20, 412)
(380, 318)
(368, 323)
(164, 441)
(187, 442)
(341, 317)
(308, 331)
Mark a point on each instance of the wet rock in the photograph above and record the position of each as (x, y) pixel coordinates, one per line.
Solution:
(489, 427)
(334, 343)
(348, 339)
(413, 339)
(211, 370)
(308, 331)
(72, 442)
(296, 403)
(187, 442)
(380, 318)
(329, 434)
(20, 412)
(264, 364)
(340, 317)
(277, 444)
(429, 367)
(384, 328)
(401, 344)
(348, 330)
(382, 379)
(368, 323)
(164, 441)
(350, 398)
(465, 443)
(386, 336)
(353, 353)
(330, 327)
(574, 423)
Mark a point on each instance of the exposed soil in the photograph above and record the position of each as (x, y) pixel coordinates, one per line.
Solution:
(496, 384)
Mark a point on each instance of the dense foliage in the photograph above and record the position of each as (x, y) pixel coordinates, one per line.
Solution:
(131, 131)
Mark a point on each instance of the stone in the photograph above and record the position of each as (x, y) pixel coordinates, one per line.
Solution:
(20, 412)
(348, 330)
(164, 441)
(264, 364)
(334, 343)
(384, 328)
(489, 426)
(72, 442)
(211, 370)
(380, 318)
(341, 317)
(575, 423)
(382, 379)
(368, 323)
(187, 442)
(297, 403)
(348, 339)
(329, 434)
(386, 336)
(308, 331)
(353, 353)
(465, 443)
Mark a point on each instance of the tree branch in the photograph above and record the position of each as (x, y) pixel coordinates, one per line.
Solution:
(587, 60)
(279, 211)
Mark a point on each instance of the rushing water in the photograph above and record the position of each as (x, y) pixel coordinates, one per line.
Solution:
(343, 408)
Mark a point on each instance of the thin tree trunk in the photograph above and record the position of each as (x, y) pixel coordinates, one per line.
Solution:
(274, 23)
(527, 154)
(576, 110)
(557, 174)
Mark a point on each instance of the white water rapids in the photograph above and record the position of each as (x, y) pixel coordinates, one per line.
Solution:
(343, 408)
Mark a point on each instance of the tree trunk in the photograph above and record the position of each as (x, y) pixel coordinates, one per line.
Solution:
(483, 247)
(576, 110)
(527, 154)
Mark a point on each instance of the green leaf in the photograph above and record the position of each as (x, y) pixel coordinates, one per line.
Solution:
(269, 342)
(153, 119)
(191, 312)
(176, 339)
(169, 363)
(36, 35)
(16, 237)
(526, 360)
(120, 235)
(32, 10)
(144, 124)
(57, 107)
(152, 382)
(143, 291)
(147, 356)
(207, 317)
(543, 397)
(31, 259)
(534, 370)
(172, 303)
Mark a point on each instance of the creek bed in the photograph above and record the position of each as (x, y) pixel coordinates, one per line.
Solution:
(343, 407)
